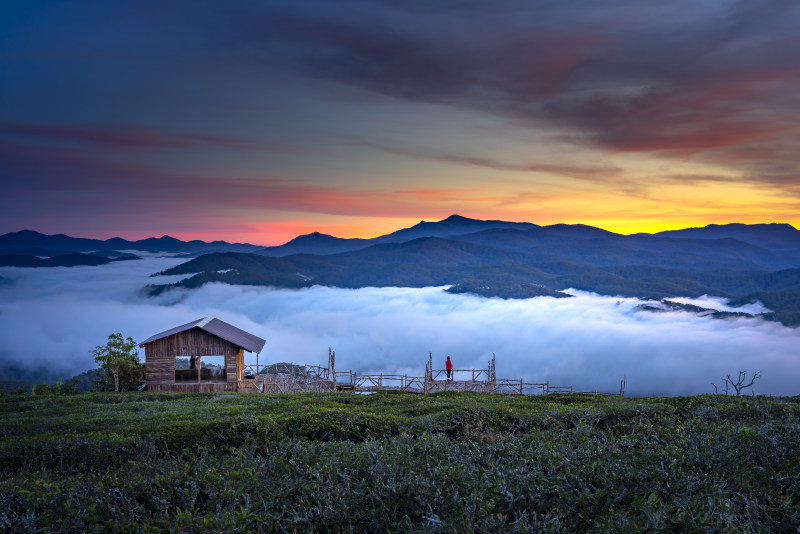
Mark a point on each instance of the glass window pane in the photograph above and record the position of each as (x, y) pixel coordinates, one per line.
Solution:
(186, 369)
(212, 369)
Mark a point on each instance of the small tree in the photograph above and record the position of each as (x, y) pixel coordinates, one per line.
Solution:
(119, 360)
(738, 385)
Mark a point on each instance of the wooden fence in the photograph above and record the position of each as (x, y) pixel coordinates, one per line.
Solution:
(314, 378)
(293, 369)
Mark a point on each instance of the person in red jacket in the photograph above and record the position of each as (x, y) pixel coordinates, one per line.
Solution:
(449, 366)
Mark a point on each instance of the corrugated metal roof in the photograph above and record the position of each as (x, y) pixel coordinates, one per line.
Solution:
(182, 328)
(219, 328)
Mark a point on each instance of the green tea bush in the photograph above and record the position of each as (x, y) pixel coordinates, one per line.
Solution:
(394, 462)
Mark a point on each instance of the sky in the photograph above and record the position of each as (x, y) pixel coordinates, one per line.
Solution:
(257, 121)
(52, 317)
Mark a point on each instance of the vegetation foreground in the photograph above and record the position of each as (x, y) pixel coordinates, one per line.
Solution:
(450, 462)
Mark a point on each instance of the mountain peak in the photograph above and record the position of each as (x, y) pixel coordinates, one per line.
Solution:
(313, 236)
(25, 232)
(451, 226)
(449, 221)
(456, 218)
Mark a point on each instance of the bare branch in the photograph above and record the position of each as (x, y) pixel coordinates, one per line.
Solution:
(739, 384)
(756, 375)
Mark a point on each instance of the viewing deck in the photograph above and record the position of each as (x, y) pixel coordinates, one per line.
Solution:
(307, 379)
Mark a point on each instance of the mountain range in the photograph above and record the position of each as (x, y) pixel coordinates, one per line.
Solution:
(31, 243)
(497, 258)
(455, 225)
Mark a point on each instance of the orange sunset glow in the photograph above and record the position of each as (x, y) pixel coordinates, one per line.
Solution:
(632, 118)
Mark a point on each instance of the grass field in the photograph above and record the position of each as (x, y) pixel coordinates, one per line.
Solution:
(395, 462)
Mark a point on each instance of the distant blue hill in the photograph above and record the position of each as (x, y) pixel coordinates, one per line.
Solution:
(35, 242)
(773, 236)
(316, 243)
(522, 261)
(454, 225)
(783, 238)
(489, 258)
(64, 260)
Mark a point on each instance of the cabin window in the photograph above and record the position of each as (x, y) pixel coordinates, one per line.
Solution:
(186, 368)
(200, 369)
(212, 369)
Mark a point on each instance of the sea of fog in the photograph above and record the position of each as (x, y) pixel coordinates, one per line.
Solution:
(51, 317)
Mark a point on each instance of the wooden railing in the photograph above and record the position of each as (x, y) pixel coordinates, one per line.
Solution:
(292, 369)
(315, 378)
(474, 374)
(265, 385)
(381, 382)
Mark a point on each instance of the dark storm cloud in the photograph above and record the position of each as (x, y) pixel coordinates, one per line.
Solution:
(679, 78)
(131, 137)
(595, 173)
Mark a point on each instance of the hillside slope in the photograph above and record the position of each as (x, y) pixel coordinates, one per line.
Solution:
(394, 462)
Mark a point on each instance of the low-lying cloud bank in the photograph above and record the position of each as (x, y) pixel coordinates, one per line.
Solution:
(50, 319)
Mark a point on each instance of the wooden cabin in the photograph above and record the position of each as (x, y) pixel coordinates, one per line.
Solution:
(204, 355)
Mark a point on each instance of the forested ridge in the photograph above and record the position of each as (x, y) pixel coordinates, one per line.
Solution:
(537, 261)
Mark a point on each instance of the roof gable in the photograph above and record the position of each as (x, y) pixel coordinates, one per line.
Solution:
(219, 328)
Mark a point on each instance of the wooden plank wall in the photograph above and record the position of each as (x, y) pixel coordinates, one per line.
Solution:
(207, 387)
(234, 367)
(160, 354)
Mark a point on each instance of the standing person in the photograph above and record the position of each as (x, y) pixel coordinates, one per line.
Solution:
(449, 367)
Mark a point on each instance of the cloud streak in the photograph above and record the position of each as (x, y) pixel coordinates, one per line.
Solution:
(596, 173)
(674, 80)
(133, 137)
(132, 193)
(625, 76)
(52, 317)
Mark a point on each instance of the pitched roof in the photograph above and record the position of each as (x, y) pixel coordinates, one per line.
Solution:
(219, 328)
